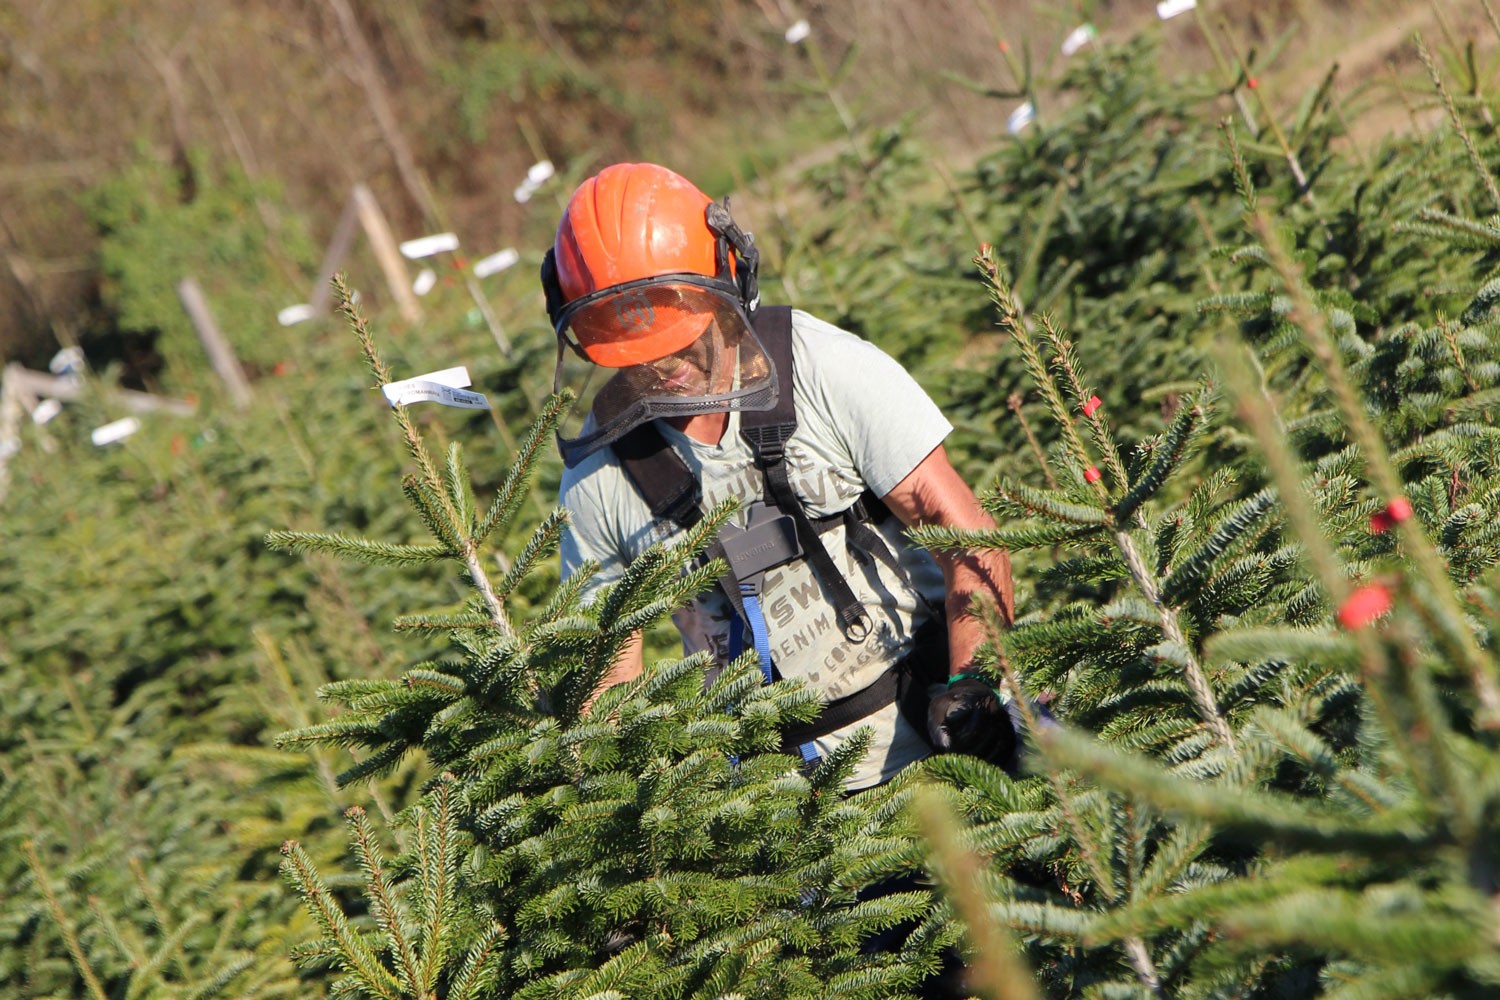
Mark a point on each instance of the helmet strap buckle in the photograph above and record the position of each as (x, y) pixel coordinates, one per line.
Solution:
(731, 238)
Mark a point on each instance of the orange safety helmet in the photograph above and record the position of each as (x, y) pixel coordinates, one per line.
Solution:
(625, 226)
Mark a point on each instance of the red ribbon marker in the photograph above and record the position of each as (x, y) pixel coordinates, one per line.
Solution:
(1364, 605)
(1395, 512)
(1093, 404)
(1092, 474)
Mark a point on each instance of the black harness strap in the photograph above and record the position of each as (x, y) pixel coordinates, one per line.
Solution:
(672, 492)
(767, 432)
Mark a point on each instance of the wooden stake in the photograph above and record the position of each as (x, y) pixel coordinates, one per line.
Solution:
(386, 251)
(24, 381)
(10, 424)
(215, 345)
(338, 249)
(17, 384)
(368, 75)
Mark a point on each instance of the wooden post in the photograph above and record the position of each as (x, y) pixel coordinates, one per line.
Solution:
(338, 249)
(220, 354)
(10, 424)
(24, 381)
(386, 252)
(18, 383)
(496, 330)
(368, 74)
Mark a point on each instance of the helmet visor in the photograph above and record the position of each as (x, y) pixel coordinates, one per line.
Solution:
(669, 349)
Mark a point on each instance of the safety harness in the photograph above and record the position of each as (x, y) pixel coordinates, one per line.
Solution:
(777, 531)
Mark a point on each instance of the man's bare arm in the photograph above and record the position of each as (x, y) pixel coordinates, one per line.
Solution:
(934, 493)
(628, 666)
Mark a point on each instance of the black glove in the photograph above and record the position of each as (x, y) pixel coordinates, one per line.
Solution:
(969, 719)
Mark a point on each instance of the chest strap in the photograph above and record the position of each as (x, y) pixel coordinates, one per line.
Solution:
(767, 432)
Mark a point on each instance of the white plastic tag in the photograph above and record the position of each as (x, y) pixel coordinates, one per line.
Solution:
(1078, 38)
(445, 387)
(1020, 118)
(426, 246)
(292, 315)
(119, 430)
(1171, 8)
(539, 172)
(45, 411)
(496, 262)
(68, 361)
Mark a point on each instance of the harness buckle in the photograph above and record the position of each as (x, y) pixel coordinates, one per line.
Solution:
(768, 442)
(855, 623)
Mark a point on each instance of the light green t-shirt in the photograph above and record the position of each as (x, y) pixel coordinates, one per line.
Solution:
(863, 423)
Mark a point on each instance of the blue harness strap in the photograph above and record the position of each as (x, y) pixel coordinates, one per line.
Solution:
(760, 637)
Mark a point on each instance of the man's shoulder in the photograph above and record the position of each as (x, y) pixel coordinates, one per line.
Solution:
(811, 332)
(596, 473)
(821, 350)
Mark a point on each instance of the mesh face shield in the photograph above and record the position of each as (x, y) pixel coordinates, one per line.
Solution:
(674, 346)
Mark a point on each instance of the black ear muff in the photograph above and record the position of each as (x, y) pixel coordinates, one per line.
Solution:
(551, 287)
(747, 259)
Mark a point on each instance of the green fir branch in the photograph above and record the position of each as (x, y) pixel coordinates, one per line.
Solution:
(1237, 809)
(362, 549)
(379, 889)
(1167, 455)
(456, 483)
(1244, 521)
(1020, 500)
(429, 506)
(512, 492)
(542, 544)
(350, 952)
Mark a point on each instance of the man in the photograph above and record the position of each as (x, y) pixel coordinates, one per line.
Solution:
(686, 398)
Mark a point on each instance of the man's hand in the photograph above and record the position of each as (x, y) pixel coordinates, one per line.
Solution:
(969, 719)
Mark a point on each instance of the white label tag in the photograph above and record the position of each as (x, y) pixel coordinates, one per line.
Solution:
(539, 172)
(496, 262)
(292, 315)
(45, 411)
(1171, 8)
(1078, 38)
(426, 246)
(445, 387)
(1020, 118)
(117, 431)
(68, 361)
